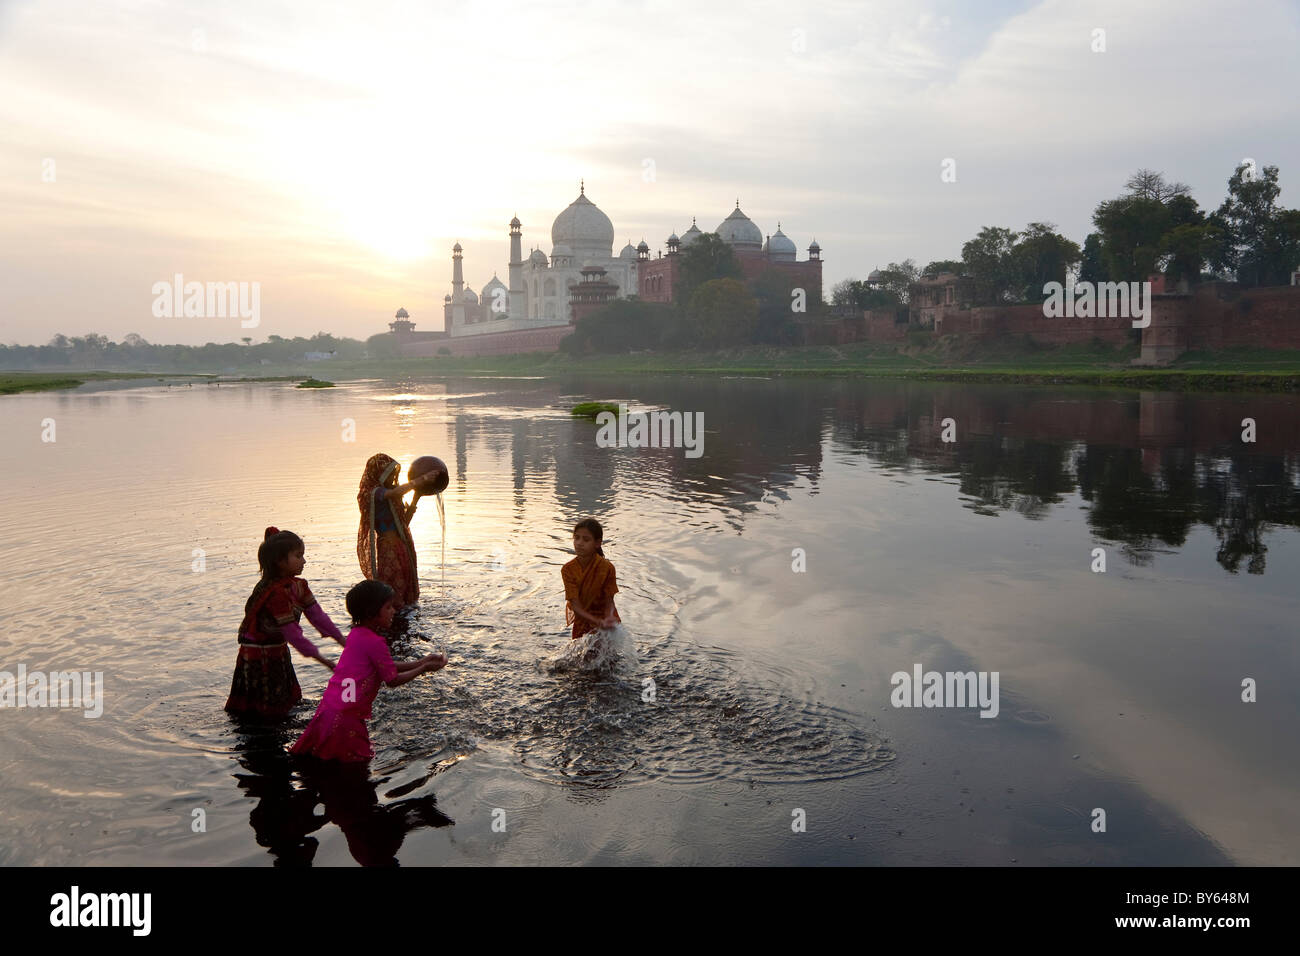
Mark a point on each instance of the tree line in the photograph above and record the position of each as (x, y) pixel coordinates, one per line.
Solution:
(1154, 227)
(94, 351)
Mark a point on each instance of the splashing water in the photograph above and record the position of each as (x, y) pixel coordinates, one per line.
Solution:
(603, 650)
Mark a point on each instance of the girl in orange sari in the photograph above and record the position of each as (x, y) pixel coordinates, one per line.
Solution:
(384, 545)
(589, 582)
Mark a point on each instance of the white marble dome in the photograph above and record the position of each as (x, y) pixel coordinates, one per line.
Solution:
(584, 228)
(691, 234)
(627, 252)
(740, 232)
(470, 297)
(538, 257)
(493, 283)
(781, 247)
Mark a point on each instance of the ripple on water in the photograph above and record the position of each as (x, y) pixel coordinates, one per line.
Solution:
(682, 713)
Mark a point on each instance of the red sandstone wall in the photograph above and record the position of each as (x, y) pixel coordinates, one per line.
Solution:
(1267, 317)
(879, 326)
(494, 343)
(1018, 320)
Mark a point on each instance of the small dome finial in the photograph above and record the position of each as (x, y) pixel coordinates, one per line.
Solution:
(737, 202)
(582, 187)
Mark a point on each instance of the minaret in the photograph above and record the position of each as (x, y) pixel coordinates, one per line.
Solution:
(518, 298)
(457, 290)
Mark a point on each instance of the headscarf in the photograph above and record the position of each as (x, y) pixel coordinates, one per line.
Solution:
(378, 470)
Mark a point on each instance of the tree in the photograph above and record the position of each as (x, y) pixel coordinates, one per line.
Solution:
(705, 259)
(897, 278)
(723, 313)
(1149, 184)
(856, 293)
(940, 266)
(776, 325)
(618, 326)
(1092, 267)
(1135, 229)
(1041, 255)
(1253, 238)
(989, 262)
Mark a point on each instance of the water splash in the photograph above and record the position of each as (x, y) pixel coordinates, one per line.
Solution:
(604, 650)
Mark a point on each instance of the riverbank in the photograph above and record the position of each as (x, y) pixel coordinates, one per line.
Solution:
(1231, 370)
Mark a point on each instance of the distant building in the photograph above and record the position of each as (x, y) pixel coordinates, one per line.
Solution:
(546, 291)
(755, 255)
(403, 330)
(318, 356)
(930, 299)
(592, 292)
(538, 295)
(402, 323)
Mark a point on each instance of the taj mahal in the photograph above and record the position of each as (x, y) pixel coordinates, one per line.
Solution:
(541, 290)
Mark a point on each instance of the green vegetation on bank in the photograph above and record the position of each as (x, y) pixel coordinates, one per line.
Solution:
(14, 382)
(928, 359)
(314, 383)
(592, 409)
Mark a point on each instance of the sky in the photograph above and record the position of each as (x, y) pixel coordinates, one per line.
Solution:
(333, 153)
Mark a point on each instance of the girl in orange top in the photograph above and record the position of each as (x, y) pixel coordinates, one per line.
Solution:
(589, 585)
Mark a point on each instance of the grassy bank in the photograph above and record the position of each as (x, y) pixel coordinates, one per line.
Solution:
(13, 382)
(941, 360)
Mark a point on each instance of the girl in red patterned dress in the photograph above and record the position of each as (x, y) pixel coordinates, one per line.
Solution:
(264, 683)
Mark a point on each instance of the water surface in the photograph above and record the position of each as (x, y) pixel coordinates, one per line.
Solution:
(771, 687)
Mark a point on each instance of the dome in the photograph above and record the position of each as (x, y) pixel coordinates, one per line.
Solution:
(538, 257)
(691, 234)
(814, 247)
(470, 297)
(515, 221)
(456, 248)
(561, 252)
(781, 247)
(876, 276)
(402, 314)
(642, 247)
(447, 297)
(584, 228)
(673, 238)
(627, 252)
(739, 231)
(493, 283)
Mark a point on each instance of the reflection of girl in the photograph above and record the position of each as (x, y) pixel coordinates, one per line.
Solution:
(384, 545)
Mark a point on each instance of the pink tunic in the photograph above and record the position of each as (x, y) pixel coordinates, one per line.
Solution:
(338, 730)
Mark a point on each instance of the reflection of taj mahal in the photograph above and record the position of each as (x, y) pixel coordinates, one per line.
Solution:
(541, 292)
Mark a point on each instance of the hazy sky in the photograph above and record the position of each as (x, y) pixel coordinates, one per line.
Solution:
(334, 152)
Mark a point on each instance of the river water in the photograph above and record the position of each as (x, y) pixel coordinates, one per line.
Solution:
(826, 538)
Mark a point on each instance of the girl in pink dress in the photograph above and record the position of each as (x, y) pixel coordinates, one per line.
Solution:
(338, 731)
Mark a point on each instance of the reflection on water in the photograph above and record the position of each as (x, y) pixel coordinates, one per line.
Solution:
(756, 686)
